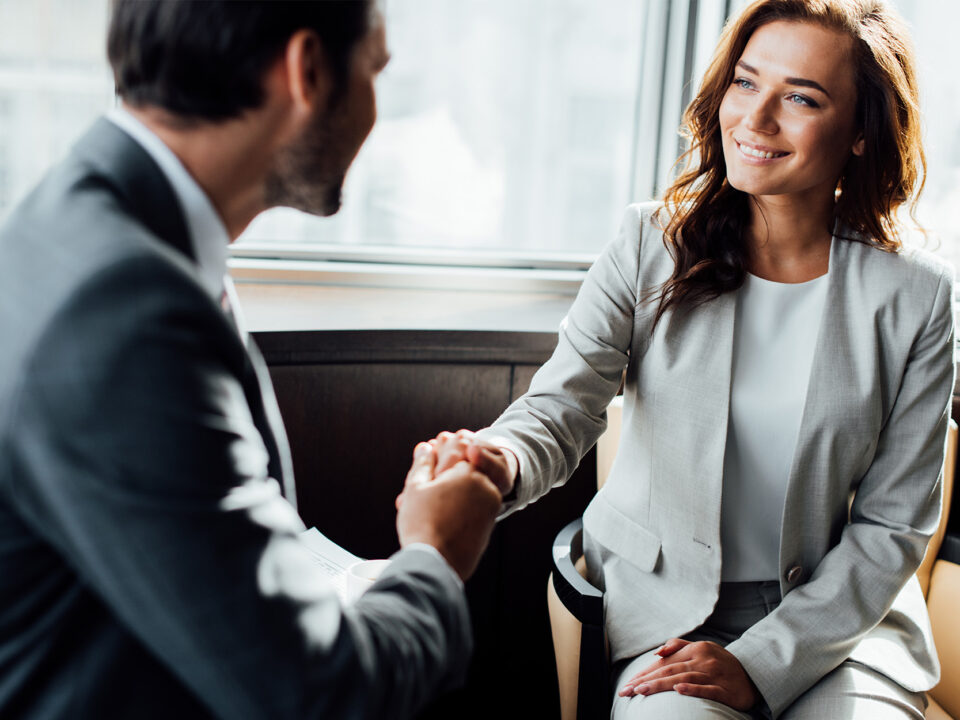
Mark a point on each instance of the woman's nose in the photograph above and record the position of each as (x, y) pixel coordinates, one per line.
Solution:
(762, 117)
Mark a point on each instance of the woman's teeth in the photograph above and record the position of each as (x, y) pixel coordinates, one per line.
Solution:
(747, 150)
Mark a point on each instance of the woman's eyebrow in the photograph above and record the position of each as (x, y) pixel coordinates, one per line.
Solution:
(803, 82)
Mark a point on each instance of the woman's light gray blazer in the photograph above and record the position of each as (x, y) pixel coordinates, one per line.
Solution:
(874, 424)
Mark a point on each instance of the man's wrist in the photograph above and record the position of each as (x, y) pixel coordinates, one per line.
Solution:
(430, 549)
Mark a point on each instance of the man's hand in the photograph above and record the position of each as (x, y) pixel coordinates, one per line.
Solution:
(496, 463)
(453, 510)
(700, 669)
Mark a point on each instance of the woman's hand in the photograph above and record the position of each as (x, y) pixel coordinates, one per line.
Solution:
(496, 463)
(699, 669)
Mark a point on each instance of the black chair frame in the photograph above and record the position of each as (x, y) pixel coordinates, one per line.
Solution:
(585, 603)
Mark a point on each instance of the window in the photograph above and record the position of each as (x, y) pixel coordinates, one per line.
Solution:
(54, 82)
(503, 125)
(939, 209)
(511, 132)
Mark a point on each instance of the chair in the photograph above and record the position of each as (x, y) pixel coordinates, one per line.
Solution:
(576, 606)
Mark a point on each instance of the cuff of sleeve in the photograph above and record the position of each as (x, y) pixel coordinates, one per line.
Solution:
(519, 496)
(431, 550)
(751, 657)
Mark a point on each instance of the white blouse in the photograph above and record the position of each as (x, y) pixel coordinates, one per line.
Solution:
(775, 334)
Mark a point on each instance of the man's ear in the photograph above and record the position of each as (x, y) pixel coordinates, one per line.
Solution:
(309, 79)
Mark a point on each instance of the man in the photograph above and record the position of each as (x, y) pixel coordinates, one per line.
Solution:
(149, 565)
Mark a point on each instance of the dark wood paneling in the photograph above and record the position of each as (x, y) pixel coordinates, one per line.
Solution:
(352, 429)
(398, 346)
(522, 375)
(355, 404)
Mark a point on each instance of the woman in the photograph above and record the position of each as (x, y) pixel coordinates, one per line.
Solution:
(779, 344)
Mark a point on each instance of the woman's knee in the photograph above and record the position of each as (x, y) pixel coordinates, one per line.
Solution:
(857, 692)
(672, 705)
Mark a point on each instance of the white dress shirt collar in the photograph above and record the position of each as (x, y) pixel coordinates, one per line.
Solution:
(208, 235)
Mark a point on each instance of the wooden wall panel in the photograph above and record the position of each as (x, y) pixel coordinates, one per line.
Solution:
(522, 375)
(352, 429)
(354, 404)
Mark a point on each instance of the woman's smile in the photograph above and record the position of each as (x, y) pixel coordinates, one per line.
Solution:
(758, 153)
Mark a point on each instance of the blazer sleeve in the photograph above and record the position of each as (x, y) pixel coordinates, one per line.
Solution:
(895, 511)
(563, 413)
(140, 463)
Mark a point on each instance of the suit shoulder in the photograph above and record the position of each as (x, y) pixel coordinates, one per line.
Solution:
(911, 262)
(928, 263)
(645, 216)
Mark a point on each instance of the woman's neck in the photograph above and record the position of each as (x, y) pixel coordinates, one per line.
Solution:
(789, 242)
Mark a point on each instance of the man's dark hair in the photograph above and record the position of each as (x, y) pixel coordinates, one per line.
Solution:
(206, 59)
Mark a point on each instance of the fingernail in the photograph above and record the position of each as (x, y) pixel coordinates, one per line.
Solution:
(641, 689)
(421, 449)
(659, 650)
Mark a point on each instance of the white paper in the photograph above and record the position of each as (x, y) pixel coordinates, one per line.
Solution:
(330, 557)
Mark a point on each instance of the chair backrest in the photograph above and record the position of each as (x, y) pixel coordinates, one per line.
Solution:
(608, 442)
(949, 466)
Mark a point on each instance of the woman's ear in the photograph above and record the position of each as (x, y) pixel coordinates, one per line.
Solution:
(858, 145)
(308, 76)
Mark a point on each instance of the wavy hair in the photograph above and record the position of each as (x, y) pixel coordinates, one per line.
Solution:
(707, 219)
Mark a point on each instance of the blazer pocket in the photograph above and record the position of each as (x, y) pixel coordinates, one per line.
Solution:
(621, 535)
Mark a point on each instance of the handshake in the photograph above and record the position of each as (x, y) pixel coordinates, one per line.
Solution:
(452, 495)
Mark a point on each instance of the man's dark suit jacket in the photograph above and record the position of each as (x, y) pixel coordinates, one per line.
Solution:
(149, 565)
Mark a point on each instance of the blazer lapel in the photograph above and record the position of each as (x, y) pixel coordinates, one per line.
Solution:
(266, 416)
(812, 492)
(689, 380)
(712, 386)
(138, 181)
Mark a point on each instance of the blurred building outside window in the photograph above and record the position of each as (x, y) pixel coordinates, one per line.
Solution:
(508, 130)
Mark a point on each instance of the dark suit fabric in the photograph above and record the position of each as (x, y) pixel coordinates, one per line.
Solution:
(149, 565)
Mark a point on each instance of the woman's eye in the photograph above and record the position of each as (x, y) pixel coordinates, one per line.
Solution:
(801, 100)
(743, 83)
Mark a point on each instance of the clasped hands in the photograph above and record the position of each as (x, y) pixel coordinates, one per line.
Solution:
(452, 495)
(452, 460)
(698, 669)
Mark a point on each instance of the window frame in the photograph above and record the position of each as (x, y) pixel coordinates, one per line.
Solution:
(669, 63)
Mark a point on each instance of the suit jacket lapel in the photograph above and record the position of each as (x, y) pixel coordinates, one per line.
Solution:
(810, 492)
(135, 178)
(692, 371)
(138, 181)
(266, 415)
(712, 386)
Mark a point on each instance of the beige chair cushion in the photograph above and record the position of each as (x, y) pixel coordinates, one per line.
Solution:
(934, 711)
(566, 647)
(608, 442)
(942, 603)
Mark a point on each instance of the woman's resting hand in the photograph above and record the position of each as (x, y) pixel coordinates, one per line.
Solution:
(700, 669)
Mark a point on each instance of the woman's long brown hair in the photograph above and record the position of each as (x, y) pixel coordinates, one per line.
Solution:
(705, 220)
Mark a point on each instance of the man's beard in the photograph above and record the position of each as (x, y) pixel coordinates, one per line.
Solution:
(308, 174)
